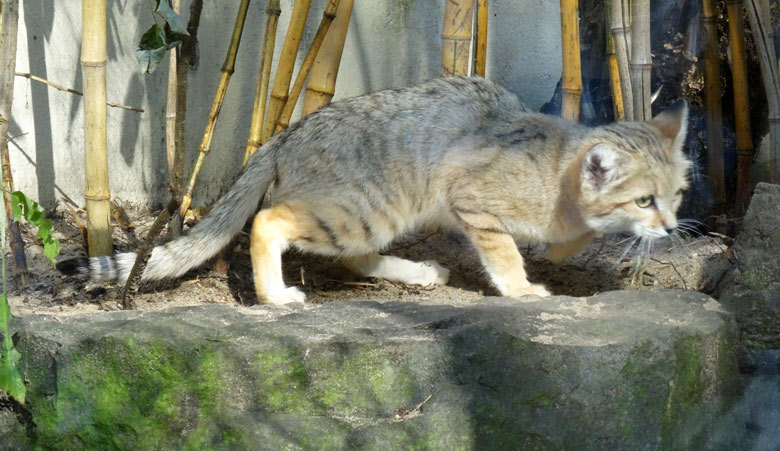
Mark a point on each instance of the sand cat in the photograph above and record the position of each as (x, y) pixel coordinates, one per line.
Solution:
(459, 153)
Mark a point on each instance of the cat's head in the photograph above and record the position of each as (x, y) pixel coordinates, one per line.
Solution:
(633, 174)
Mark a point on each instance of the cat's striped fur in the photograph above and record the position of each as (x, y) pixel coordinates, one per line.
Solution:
(461, 153)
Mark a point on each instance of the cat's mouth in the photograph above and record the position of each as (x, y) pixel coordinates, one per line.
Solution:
(650, 233)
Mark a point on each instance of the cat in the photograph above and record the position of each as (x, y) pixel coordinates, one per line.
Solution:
(460, 153)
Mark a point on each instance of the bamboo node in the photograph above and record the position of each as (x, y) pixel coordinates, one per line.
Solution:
(93, 63)
(97, 197)
(271, 11)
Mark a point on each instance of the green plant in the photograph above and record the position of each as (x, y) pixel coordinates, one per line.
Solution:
(157, 40)
(10, 376)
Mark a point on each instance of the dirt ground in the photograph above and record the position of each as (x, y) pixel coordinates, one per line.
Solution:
(697, 262)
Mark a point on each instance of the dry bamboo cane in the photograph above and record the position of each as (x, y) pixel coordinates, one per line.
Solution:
(456, 37)
(614, 76)
(327, 18)
(227, 70)
(760, 22)
(170, 107)
(322, 81)
(285, 68)
(641, 63)
(571, 85)
(93, 67)
(741, 103)
(8, 36)
(620, 37)
(272, 12)
(713, 114)
(480, 57)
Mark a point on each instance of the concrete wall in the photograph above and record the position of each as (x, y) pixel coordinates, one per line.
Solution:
(390, 43)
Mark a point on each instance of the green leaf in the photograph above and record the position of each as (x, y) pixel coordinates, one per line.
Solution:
(171, 18)
(152, 48)
(51, 249)
(16, 202)
(23, 207)
(10, 376)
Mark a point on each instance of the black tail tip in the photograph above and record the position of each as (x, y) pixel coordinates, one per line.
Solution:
(73, 266)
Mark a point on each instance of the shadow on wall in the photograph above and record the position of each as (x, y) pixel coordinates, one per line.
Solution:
(44, 12)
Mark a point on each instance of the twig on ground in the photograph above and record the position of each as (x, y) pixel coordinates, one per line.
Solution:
(403, 414)
(668, 263)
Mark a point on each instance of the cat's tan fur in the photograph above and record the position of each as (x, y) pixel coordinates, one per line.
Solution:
(459, 153)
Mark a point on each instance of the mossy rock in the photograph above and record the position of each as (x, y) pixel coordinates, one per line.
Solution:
(621, 370)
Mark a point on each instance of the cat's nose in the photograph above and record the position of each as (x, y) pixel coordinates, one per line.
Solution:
(670, 230)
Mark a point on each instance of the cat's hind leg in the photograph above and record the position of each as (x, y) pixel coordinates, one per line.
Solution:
(397, 269)
(272, 231)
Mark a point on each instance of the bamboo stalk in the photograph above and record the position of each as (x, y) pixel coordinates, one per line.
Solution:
(272, 12)
(641, 63)
(620, 32)
(285, 69)
(8, 36)
(184, 61)
(741, 103)
(170, 107)
(480, 57)
(760, 22)
(614, 75)
(93, 68)
(327, 18)
(713, 114)
(227, 71)
(322, 82)
(571, 85)
(456, 37)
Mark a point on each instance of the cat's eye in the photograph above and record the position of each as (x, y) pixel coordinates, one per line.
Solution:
(645, 201)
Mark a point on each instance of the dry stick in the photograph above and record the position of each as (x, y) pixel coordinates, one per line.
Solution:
(620, 32)
(614, 75)
(285, 69)
(480, 55)
(184, 61)
(272, 12)
(327, 18)
(93, 67)
(571, 85)
(73, 91)
(741, 103)
(456, 37)
(227, 70)
(144, 252)
(641, 63)
(8, 36)
(713, 115)
(322, 81)
(760, 23)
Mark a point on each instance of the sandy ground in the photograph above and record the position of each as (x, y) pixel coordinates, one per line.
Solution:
(696, 263)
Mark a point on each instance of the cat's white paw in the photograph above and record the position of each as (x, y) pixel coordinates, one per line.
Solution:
(429, 273)
(534, 289)
(286, 296)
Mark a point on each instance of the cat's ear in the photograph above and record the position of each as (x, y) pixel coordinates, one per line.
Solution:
(603, 165)
(673, 124)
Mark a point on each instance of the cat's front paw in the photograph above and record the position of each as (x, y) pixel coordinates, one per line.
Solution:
(533, 289)
(426, 273)
(286, 296)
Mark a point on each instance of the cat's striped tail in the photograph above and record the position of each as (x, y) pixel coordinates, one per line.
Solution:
(202, 242)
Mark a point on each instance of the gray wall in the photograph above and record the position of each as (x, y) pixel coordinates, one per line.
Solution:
(390, 43)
